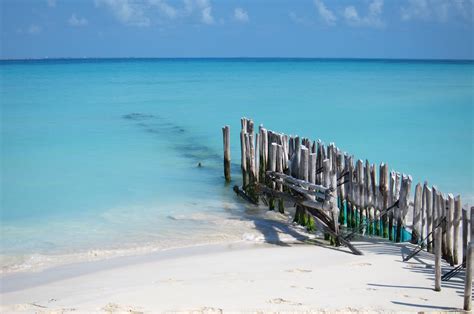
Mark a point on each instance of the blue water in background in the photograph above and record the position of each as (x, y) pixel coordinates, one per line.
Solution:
(76, 175)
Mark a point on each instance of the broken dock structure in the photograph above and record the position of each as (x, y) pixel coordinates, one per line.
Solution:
(344, 197)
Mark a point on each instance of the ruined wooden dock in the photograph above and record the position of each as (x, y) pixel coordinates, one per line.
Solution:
(342, 197)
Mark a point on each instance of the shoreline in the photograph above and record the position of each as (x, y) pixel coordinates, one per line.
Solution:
(286, 276)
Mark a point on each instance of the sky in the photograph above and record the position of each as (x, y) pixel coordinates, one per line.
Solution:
(404, 29)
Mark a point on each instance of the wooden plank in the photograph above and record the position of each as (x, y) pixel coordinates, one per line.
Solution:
(416, 231)
(226, 141)
(305, 184)
(397, 212)
(456, 233)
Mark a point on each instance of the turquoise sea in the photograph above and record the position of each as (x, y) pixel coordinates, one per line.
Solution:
(82, 175)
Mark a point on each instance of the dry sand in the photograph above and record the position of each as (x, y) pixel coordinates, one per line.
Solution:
(240, 277)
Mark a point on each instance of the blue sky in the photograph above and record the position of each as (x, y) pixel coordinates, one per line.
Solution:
(439, 29)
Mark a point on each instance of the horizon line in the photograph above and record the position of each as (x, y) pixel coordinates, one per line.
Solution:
(234, 58)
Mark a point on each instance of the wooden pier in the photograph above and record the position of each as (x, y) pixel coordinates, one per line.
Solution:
(343, 197)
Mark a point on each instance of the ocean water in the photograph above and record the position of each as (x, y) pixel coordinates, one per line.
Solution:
(100, 157)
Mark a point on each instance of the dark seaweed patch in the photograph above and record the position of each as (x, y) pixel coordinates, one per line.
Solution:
(137, 116)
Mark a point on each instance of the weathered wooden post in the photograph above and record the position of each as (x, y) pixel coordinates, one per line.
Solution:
(383, 186)
(449, 229)
(437, 249)
(469, 262)
(375, 199)
(368, 198)
(312, 168)
(435, 213)
(359, 193)
(397, 212)
(468, 278)
(404, 205)
(303, 167)
(428, 204)
(272, 164)
(392, 198)
(442, 203)
(257, 156)
(415, 236)
(340, 189)
(279, 169)
(456, 222)
(226, 137)
(243, 159)
(465, 233)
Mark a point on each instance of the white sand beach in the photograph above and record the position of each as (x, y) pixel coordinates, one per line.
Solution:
(241, 277)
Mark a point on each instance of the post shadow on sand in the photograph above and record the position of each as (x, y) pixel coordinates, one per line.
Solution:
(422, 263)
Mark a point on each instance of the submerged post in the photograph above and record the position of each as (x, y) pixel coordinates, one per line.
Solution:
(226, 137)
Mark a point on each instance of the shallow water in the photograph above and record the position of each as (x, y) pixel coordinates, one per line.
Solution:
(102, 155)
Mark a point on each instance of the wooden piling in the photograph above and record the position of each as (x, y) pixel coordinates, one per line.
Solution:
(405, 188)
(468, 279)
(226, 138)
(303, 166)
(469, 262)
(434, 219)
(456, 223)
(393, 198)
(442, 207)
(428, 199)
(383, 186)
(449, 229)
(243, 157)
(279, 169)
(312, 168)
(416, 232)
(437, 249)
(272, 167)
(465, 233)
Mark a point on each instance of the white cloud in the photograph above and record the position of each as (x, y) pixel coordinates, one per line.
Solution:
(436, 10)
(147, 12)
(34, 29)
(299, 19)
(126, 11)
(327, 15)
(241, 15)
(51, 3)
(166, 9)
(75, 21)
(206, 15)
(372, 19)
